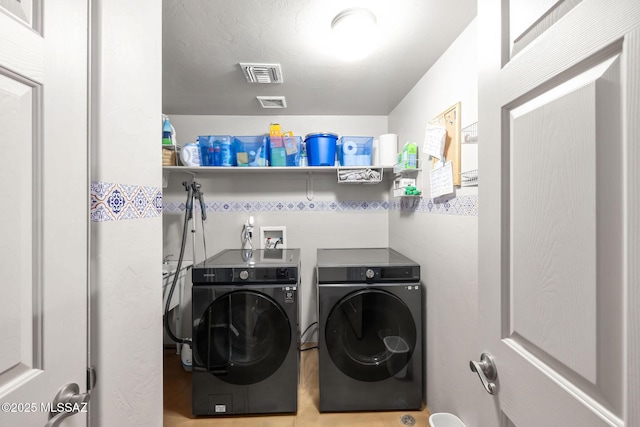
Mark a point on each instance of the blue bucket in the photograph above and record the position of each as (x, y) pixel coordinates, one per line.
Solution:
(321, 148)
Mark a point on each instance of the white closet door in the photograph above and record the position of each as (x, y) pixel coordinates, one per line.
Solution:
(44, 215)
(560, 211)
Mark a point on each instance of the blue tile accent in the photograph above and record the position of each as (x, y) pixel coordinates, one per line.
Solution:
(117, 202)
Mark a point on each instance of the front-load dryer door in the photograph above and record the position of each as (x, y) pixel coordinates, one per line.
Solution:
(370, 335)
(243, 337)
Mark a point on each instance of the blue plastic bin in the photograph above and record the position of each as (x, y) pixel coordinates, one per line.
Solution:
(251, 150)
(321, 148)
(285, 150)
(355, 150)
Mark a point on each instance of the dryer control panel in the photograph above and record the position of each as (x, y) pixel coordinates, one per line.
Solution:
(366, 274)
(365, 265)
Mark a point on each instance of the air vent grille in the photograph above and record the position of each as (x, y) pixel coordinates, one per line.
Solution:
(272, 101)
(262, 73)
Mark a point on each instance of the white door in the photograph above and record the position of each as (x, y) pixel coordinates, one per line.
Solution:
(559, 95)
(44, 214)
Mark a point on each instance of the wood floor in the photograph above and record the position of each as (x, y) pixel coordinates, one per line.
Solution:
(177, 404)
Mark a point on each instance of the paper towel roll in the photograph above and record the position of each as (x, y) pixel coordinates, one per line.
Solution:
(349, 147)
(388, 149)
(349, 159)
(375, 153)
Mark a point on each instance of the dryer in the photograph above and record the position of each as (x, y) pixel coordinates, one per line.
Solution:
(246, 332)
(370, 330)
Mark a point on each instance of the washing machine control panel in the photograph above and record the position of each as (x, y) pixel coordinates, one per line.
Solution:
(245, 275)
(270, 274)
(239, 266)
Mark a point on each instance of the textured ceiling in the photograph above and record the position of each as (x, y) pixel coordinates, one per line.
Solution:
(205, 40)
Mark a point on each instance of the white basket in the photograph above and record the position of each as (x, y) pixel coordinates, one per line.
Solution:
(444, 419)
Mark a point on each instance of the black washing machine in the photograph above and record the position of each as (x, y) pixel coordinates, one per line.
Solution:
(370, 330)
(246, 333)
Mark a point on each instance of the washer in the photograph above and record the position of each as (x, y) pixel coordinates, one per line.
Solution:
(370, 330)
(246, 333)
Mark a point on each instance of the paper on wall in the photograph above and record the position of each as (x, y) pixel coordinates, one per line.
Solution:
(434, 140)
(441, 180)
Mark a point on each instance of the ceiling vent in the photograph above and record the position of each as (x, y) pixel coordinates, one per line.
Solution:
(262, 73)
(272, 101)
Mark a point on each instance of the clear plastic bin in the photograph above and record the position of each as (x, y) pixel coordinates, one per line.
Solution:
(355, 150)
(215, 150)
(251, 150)
(285, 150)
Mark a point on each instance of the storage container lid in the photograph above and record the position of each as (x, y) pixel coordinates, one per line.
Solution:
(321, 135)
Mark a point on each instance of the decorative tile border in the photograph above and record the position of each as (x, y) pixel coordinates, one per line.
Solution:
(117, 202)
(463, 205)
(288, 206)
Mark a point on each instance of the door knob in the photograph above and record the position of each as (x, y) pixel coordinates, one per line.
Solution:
(68, 401)
(486, 370)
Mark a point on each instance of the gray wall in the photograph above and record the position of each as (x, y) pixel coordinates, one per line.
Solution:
(444, 245)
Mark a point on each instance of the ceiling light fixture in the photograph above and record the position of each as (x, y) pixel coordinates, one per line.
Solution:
(354, 32)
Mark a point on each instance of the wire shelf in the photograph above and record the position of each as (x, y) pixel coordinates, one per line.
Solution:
(470, 134)
(347, 175)
(469, 178)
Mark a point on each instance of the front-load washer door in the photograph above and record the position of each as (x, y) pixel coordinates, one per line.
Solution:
(370, 335)
(243, 337)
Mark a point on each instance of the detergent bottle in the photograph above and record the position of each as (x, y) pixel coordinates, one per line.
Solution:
(168, 131)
